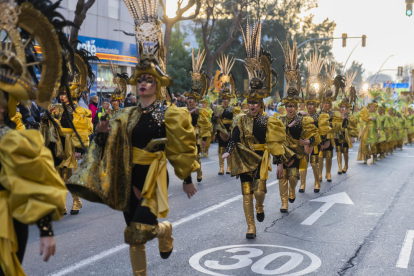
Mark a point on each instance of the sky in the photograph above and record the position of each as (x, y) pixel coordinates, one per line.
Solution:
(389, 32)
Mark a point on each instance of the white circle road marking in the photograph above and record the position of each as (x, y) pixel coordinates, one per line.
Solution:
(259, 266)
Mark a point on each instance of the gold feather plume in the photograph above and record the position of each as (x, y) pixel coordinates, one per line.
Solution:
(226, 64)
(349, 78)
(315, 63)
(251, 41)
(198, 63)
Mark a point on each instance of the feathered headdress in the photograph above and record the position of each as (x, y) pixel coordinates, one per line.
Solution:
(121, 81)
(30, 25)
(349, 94)
(150, 44)
(314, 87)
(226, 77)
(258, 63)
(292, 74)
(332, 84)
(199, 78)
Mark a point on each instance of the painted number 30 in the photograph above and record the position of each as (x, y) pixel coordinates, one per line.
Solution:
(257, 266)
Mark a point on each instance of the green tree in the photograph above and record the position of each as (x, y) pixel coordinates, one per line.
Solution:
(179, 62)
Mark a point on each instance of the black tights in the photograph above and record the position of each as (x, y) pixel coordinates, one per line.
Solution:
(22, 232)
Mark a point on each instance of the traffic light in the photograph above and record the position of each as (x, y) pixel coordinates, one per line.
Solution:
(409, 7)
(344, 37)
(364, 40)
(400, 71)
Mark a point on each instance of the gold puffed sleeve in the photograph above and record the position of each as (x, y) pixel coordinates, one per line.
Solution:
(275, 136)
(181, 149)
(204, 123)
(29, 174)
(353, 126)
(364, 115)
(323, 124)
(17, 119)
(337, 121)
(310, 130)
(82, 121)
(236, 110)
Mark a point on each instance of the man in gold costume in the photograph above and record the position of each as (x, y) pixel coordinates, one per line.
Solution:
(31, 191)
(126, 165)
(332, 87)
(199, 117)
(224, 113)
(67, 145)
(314, 91)
(255, 136)
(301, 133)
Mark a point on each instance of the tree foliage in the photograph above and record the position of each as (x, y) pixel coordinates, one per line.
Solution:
(179, 61)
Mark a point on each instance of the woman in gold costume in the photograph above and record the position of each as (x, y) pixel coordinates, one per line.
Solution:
(301, 133)
(66, 144)
(31, 191)
(224, 113)
(370, 134)
(205, 131)
(126, 165)
(255, 136)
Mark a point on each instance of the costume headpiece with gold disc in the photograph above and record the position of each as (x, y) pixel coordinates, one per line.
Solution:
(314, 86)
(226, 77)
(349, 95)
(198, 77)
(150, 44)
(121, 81)
(291, 68)
(28, 25)
(258, 63)
(332, 84)
(81, 75)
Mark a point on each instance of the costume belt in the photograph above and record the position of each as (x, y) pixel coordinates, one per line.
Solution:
(154, 192)
(70, 161)
(227, 121)
(8, 240)
(266, 165)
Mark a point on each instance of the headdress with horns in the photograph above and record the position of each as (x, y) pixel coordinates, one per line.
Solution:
(258, 63)
(150, 44)
(199, 78)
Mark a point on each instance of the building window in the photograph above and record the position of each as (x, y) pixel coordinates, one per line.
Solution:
(113, 9)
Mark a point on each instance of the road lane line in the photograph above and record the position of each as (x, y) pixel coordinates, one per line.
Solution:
(405, 253)
(208, 162)
(115, 249)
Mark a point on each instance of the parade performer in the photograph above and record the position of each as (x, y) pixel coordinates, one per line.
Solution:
(332, 87)
(410, 123)
(391, 131)
(314, 92)
(31, 191)
(126, 165)
(67, 145)
(255, 136)
(199, 117)
(349, 124)
(384, 125)
(300, 132)
(121, 81)
(206, 146)
(370, 134)
(224, 113)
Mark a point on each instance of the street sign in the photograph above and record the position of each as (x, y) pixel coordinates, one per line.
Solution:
(285, 260)
(341, 198)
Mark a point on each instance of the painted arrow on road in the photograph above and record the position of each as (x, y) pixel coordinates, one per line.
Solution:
(341, 198)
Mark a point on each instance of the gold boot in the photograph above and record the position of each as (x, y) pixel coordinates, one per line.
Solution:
(221, 160)
(321, 166)
(76, 206)
(283, 190)
(138, 259)
(199, 171)
(328, 166)
(293, 174)
(315, 170)
(346, 159)
(228, 171)
(339, 158)
(165, 239)
(249, 214)
(374, 159)
(303, 176)
(260, 195)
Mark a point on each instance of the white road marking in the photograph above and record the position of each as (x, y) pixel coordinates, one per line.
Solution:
(208, 162)
(405, 253)
(330, 201)
(113, 250)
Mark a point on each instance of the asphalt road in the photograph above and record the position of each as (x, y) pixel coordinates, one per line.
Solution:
(361, 223)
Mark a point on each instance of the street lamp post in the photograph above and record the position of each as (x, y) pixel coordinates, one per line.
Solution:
(376, 75)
